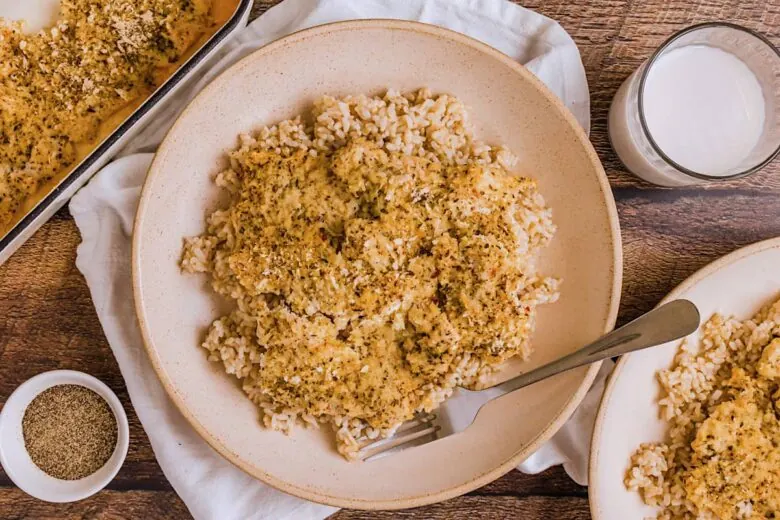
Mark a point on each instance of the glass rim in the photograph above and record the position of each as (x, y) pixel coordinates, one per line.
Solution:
(643, 122)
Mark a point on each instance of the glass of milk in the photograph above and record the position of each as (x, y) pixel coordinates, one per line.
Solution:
(704, 107)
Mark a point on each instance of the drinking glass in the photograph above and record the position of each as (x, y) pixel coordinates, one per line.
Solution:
(628, 128)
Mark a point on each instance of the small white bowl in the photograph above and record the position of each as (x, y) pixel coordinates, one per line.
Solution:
(17, 462)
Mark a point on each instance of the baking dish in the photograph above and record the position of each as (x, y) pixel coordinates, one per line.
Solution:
(49, 202)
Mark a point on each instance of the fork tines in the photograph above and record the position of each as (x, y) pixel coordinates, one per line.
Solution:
(418, 428)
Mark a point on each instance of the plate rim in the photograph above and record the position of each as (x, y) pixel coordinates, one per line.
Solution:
(698, 276)
(568, 409)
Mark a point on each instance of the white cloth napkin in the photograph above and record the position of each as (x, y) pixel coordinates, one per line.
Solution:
(104, 211)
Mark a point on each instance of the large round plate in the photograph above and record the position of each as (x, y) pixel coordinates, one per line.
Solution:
(737, 285)
(509, 105)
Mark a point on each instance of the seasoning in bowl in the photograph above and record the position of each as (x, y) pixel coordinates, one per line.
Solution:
(69, 431)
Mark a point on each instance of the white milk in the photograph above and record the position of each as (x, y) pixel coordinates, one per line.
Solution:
(36, 14)
(703, 107)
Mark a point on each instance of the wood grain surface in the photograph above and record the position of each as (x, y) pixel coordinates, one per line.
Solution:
(49, 321)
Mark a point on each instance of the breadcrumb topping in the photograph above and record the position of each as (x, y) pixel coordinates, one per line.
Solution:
(379, 256)
(371, 275)
(59, 85)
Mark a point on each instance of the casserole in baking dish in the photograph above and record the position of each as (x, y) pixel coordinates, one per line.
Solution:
(72, 93)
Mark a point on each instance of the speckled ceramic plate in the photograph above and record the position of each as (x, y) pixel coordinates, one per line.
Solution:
(737, 284)
(509, 105)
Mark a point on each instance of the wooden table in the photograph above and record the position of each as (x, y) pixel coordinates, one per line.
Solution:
(49, 321)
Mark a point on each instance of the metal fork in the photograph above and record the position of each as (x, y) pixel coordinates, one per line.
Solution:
(668, 322)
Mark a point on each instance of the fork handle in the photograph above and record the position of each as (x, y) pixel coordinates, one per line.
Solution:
(668, 322)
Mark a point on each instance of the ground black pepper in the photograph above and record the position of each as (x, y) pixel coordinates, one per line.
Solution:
(69, 431)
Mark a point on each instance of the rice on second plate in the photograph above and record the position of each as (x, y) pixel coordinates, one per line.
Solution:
(378, 257)
(721, 459)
